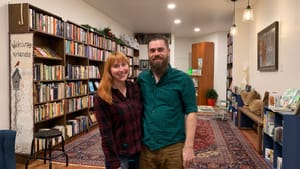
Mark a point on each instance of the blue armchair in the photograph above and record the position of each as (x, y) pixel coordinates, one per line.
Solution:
(7, 149)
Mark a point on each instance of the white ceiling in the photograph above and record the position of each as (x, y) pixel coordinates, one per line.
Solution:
(152, 16)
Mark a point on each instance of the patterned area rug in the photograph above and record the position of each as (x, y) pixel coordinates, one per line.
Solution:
(85, 150)
(218, 145)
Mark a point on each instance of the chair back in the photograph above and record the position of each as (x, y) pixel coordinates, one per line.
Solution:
(7, 149)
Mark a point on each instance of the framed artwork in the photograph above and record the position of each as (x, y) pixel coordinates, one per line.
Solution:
(144, 64)
(267, 48)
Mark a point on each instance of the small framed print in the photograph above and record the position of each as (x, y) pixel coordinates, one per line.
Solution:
(144, 64)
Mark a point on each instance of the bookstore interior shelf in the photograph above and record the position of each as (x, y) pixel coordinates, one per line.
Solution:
(55, 67)
(281, 138)
(229, 78)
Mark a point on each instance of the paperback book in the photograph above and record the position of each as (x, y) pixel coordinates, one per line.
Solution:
(91, 86)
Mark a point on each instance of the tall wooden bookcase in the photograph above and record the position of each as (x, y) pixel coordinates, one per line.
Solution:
(230, 96)
(203, 59)
(55, 69)
(229, 60)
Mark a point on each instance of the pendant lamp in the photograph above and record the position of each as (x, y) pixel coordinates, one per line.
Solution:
(248, 13)
(233, 29)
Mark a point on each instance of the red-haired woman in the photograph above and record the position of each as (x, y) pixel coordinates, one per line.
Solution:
(118, 107)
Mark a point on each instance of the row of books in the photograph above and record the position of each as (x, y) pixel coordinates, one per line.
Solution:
(45, 23)
(127, 51)
(40, 144)
(73, 126)
(91, 52)
(230, 50)
(269, 123)
(100, 41)
(76, 72)
(229, 72)
(49, 91)
(79, 103)
(82, 72)
(74, 32)
(48, 72)
(48, 111)
(43, 51)
(278, 134)
(95, 53)
(289, 101)
(76, 125)
(94, 72)
(75, 48)
(92, 86)
(76, 88)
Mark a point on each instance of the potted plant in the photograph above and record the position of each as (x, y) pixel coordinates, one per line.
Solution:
(212, 96)
(107, 31)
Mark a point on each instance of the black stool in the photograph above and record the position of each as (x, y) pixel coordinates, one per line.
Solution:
(47, 135)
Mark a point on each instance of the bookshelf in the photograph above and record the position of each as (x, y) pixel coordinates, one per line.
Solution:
(229, 70)
(281, 139)
(233, 107)
(55, 69)
(77, 73)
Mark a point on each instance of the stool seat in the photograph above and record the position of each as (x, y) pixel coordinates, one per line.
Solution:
(47, 136)
(43, 134)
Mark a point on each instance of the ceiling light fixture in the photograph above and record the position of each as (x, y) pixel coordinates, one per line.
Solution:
(248, 13)
(177, 21)
(197, 29)
(171, 6)
(233, 29)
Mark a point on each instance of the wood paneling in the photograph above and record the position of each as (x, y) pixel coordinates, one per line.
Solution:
(204, 50)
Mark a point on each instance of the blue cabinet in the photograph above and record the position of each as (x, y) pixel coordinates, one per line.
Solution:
(281, 139)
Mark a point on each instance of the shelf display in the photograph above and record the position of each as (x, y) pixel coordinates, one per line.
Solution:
(55, 69)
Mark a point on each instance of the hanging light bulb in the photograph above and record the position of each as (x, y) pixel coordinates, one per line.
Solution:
(248, 13)
(233, 29)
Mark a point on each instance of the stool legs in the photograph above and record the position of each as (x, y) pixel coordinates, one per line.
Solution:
(31, 154)
(48, 147)
(63, 150)
(45, 151)
(50, 150)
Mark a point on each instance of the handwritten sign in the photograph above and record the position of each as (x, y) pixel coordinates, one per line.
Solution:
(21, 45)
(21, 71)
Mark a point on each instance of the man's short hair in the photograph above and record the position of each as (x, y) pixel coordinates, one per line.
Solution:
(159, 37)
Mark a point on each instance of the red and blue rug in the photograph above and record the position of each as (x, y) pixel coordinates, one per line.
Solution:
(218, 145)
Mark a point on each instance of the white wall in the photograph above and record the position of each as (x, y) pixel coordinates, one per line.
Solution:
(220, 61)
(183, 54)
(4, 85)
(245, 46)
(75, 11)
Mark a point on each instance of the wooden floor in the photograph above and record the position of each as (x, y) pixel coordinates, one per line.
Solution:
(38, 164)
(251, 137)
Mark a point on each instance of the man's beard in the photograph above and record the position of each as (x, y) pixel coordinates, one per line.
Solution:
(159, 67)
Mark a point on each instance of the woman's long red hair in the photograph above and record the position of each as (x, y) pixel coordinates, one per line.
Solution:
(104, 90)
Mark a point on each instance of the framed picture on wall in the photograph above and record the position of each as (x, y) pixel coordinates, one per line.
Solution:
(267, 48)
(144, 64)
